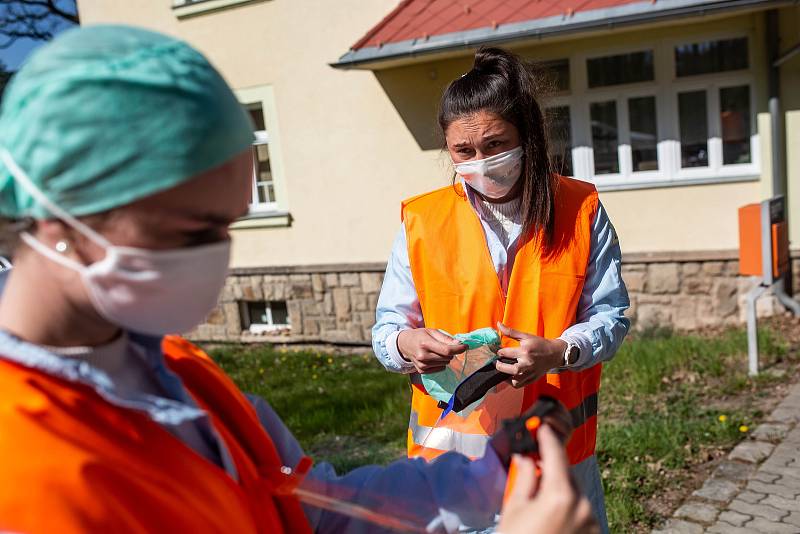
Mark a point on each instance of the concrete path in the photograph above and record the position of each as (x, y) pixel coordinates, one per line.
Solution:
(757, 488)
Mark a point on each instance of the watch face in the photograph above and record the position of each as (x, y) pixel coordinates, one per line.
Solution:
(573, 353)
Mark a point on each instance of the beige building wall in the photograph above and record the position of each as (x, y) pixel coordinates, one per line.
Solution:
(352, 144)
(347, 158)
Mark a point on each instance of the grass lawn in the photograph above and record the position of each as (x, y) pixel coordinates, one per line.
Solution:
(670, 406)
(661, 402)
(343, 409)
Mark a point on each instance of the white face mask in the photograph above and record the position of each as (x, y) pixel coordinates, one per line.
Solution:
(495, 176)
(152, 292)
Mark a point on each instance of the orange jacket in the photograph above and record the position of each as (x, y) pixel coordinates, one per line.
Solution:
(459, 291)
(72, 462)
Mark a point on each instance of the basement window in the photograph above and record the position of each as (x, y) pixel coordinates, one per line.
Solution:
(264, 316)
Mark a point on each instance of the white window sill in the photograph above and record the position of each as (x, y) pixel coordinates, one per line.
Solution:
(266, 328)
(678, 182)
(263, 219)
(191, 8)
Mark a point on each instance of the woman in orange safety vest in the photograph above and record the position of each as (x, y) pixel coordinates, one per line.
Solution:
(510, 245)
(124, 157)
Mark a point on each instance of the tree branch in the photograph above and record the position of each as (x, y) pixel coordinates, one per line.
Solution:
(33, 19)
(69, 17)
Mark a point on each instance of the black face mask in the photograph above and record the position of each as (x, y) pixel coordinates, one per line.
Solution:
(475, 386)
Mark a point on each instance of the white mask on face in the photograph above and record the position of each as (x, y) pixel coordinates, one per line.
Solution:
(495, 176)
(152, 292)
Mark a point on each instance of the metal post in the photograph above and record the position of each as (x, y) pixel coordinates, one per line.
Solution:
(766, 244)
(752, 328)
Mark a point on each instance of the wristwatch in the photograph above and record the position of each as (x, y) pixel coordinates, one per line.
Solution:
(571, 355)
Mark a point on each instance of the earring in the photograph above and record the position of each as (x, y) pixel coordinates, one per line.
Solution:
(62, 246)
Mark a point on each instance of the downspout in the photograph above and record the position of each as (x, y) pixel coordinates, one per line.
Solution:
(773, 87)
(778, 144)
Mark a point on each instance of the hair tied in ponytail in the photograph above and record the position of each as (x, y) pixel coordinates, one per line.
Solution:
(503, 83)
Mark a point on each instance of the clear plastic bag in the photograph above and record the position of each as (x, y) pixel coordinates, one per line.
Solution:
(483, 346)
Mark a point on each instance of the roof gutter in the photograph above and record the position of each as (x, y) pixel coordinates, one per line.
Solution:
(375, 57)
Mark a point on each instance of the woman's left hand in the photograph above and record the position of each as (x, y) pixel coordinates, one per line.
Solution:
(535, 356)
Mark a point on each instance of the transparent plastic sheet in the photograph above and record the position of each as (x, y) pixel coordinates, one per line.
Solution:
(482, 344)
(390, 512)
(483, 414)
(355, 511)
(382, 511)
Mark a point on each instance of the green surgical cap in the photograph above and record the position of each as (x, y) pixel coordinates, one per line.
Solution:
(105, 115)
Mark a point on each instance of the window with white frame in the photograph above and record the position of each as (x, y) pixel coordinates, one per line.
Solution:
(263, 197)
(560, 130)
(557, 117)
(264, 316)
(671, 112)
(185, 8)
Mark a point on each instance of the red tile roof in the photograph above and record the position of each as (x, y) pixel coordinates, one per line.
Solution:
(416, 29)
(420, 19)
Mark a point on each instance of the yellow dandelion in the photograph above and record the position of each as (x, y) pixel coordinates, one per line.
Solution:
(330, 360)
(313, 377)
(744, 428)
(722, 418)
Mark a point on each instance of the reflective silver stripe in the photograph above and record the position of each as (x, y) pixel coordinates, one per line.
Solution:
(446, 439)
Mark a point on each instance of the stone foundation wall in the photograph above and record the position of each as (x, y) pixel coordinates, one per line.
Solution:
(692, 294)
(336, 304)
(333, 304)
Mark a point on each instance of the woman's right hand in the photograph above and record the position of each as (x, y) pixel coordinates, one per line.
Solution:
(428, 349)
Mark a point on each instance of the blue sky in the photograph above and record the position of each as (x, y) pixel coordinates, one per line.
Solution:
(16, 54)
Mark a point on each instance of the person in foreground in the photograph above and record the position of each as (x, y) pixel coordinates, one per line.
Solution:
(124, 158)
(510, 245)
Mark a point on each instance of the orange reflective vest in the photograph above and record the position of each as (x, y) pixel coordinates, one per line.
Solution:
(459, 291)
(72, 462)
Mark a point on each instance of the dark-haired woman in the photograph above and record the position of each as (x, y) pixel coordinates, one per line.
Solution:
(510, 244)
